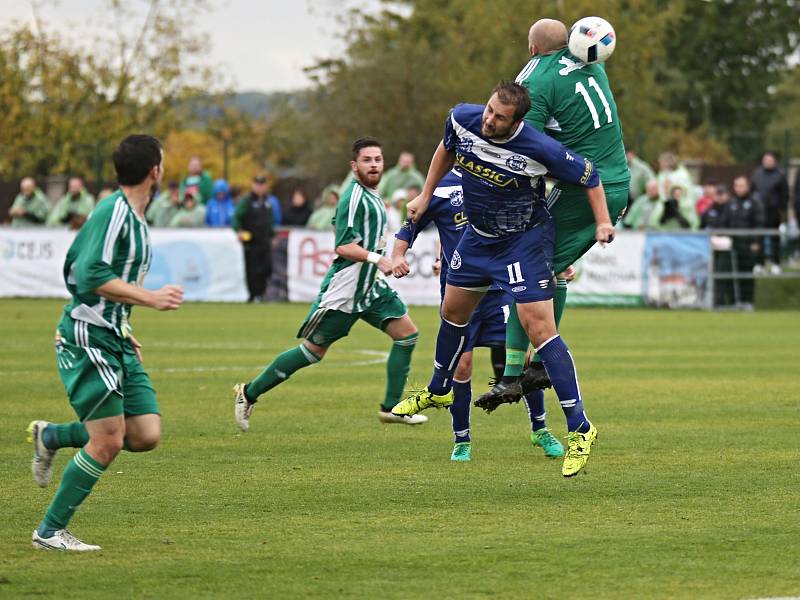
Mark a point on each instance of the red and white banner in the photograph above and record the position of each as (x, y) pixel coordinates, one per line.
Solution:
(310, 254)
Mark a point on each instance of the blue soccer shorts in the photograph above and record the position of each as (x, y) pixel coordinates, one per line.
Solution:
(521, 264)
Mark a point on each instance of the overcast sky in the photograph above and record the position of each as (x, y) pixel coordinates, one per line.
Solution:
(260, 45)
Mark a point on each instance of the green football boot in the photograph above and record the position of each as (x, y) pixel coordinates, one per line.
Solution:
(547, 442)
(421, 400)
(462, 452)
(579, 445)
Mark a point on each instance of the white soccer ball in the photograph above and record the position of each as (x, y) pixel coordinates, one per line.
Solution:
(592, 40)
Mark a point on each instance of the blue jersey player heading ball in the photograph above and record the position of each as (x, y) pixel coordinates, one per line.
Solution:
(488, 323)
(509, 242)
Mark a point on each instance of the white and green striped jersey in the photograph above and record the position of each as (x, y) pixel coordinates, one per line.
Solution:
(113, 243)
(361, 218)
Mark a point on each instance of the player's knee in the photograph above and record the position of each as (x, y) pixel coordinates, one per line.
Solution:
(143, 442)
(318, 351)
(455, 315)
(105, 448)
(464, 369)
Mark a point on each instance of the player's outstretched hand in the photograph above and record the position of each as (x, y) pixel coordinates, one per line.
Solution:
(400, 267)
(169, 297)
(137, 346)
(385, 265)
(415, 208)
(604, 233)
(568, 273)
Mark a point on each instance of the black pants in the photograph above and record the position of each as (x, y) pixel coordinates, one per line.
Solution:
(258, 268)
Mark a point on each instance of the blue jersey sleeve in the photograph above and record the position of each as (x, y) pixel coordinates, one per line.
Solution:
(409, 231)
(566, 165)
(450, 139)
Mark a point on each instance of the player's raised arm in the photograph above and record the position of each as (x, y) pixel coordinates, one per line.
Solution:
(443, 160)
(571, 167)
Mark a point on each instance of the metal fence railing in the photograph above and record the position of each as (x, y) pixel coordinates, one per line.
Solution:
(740, 258)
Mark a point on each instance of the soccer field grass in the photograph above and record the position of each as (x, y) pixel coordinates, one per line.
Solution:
(692, 490)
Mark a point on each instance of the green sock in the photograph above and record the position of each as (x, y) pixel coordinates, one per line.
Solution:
(397, 368)
(559, 302)
(79, 477)
(280, 370)
(516, 345)
(65, 435)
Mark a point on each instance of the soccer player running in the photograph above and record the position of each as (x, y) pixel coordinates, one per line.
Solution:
(98, 358)
(509, 242)
(488, 323)
(571, 102)
(353, 288)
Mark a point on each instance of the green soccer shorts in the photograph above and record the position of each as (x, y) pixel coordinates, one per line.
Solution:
(574, 220)
(101, 373)
(323, 326)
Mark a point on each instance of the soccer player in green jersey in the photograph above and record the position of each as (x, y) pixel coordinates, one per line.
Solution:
(353, 289)
(571, 102)
(98, 358)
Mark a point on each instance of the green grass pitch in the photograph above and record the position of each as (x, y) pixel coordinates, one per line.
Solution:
(692, 490)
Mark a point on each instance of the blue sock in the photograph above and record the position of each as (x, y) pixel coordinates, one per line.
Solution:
(449, 346)
(462, 397)
(535, 403)
(561, 369)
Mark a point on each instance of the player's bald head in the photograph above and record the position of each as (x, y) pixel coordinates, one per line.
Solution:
(547, 35)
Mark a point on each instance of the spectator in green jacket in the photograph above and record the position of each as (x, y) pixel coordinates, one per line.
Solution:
(674, 174)
(191, 213)
(400, 177)
(164, 206)
(673, 214)
(641, 173)
(322, 218)
(199, 180)
(644, 207)
(30, 207)
(73, 208)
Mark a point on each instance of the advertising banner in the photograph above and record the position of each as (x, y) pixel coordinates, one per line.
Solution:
(311, 253)
(610, 275)
(208, 263)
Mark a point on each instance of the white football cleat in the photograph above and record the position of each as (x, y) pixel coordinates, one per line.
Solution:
(242, 409)
(61, 540)
(388, 417)
(42, 464)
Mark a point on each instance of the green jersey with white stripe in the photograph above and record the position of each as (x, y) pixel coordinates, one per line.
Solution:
(113, 243)
(361, 218)
(572, 102)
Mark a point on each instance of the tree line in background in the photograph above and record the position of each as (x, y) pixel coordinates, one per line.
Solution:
(714, 79)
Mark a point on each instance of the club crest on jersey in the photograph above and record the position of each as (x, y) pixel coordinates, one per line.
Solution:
(465, 145)
(456, 198)
(517, 163)
(455, 262)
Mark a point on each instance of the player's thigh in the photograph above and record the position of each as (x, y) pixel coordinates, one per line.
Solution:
(387, 309)
(323, 326)
(89, 371)
(538, 320)
(575, 224)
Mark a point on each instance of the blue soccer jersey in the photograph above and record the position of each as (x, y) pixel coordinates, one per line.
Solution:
(446, 212)
(503, 178)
